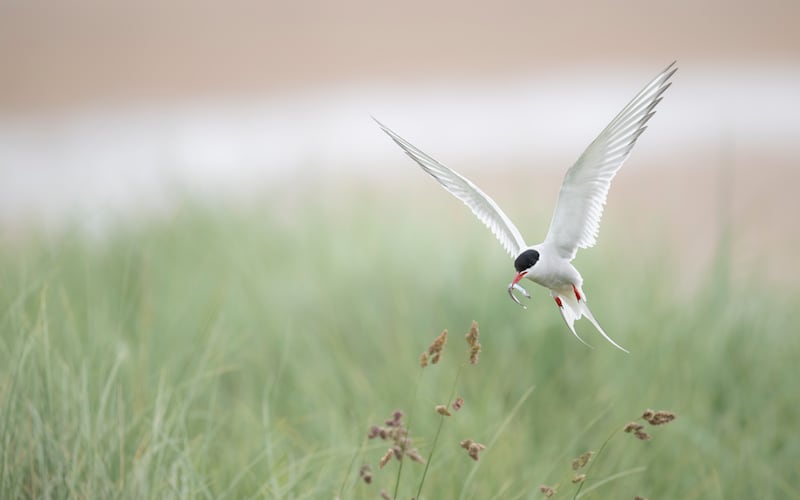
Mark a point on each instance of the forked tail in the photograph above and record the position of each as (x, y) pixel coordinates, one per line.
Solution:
(572, 308)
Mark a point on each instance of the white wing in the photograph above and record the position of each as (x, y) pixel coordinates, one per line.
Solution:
(576, 219)
(462, 188)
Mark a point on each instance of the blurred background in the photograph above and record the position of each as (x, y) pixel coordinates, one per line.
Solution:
(216, 272)
(124, 108)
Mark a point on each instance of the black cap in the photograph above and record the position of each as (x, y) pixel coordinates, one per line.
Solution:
(526, 259)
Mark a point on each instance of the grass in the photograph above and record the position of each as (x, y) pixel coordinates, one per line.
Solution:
(244, 354)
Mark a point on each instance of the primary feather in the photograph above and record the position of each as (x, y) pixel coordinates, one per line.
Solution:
(576, 219)
(462, 188)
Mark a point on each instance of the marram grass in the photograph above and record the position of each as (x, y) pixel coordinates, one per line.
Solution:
(222, 354)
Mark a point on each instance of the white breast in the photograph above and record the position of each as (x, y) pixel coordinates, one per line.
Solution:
(553, 271)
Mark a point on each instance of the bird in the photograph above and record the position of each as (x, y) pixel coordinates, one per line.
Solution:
(576, 219)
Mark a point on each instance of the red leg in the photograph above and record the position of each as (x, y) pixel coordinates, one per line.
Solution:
(558, 301)
(577, 293)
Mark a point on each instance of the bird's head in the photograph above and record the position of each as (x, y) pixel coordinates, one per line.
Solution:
(523, 264)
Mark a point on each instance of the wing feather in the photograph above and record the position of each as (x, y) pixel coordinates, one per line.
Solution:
(576, 220)
(462, 188)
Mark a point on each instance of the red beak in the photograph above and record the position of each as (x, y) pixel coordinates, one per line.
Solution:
(514, 286)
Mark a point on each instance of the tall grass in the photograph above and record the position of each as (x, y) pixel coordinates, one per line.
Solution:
(225, 354)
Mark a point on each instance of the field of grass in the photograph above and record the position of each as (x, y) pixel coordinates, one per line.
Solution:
(245, 354)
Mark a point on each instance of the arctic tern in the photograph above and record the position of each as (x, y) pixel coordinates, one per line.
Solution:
(576, 219)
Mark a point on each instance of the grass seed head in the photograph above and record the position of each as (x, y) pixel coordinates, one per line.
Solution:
(637, 429)
(396, 420)
(438, 344)
(472, 334)
(365, 473)
(466, 443)
(633, 427)
(473, 354)
(457, 404)
(582, 460)
(474, 449)
(415, 456)
(385, 458)
(474, 345)
(423, 359)
(578, 478)
(548, 491)
(396, 432)
(385, 496)
(637, 497)
(442, 410)
(660, 417)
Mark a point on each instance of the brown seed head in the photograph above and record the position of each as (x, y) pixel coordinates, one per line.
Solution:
(548, 491)
(633, 427)
(642, 435)
(457, 404)
(365, 473)
(578, 478)
(442, 410)
(582, 460)
(474, 345)
(474, 449)
(385, 496)
(396, 419)
(637, 497)
(466, 443)
(438, 343)
(473, 354)
(423, 359)
(385, 458)
(374, 431)
(472, 334)
(658, 418)
(415, 456)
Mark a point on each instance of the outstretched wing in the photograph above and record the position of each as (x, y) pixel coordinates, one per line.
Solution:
(576, 220)
(462, 188)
